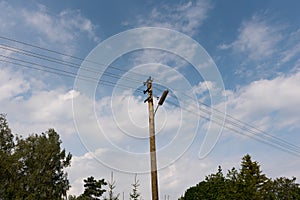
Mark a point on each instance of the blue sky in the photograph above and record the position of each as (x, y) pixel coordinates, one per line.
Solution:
(254, 46)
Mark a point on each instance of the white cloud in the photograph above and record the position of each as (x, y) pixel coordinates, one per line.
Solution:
(264, 46)
(186, 17)
(292, 50)
(70, 95)
(277, 98)
(31, 108)
(11, 84)
(225, 46)
(257, 39)
(157, 56)
(61, 28)
(203, 87)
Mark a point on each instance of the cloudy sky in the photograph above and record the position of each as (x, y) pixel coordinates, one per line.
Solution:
(79, 67)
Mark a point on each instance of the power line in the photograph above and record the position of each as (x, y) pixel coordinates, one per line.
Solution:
(73, 75)
(19, 50)
(65, 63)
(232, 120)
(111, 84)
(229, 120)
(41, 48)
(64, 71)
(256, 137)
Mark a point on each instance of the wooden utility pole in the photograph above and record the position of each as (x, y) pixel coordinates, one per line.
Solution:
(154, 182)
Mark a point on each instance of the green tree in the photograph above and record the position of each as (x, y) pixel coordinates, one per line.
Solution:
(232, 184)
(247, 183)
(135, 194)
(216, 187)
(92, 189)
(284, 188)
(8, 166)
(197, 192)
(213, 187)
(251, 181)
(32, 167)
(41, 164)
(111, 188)
(6, 137)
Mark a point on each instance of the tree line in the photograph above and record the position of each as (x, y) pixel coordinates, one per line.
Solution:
(245, 184)
(32, 168)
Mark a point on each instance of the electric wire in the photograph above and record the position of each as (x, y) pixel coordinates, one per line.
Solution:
(41, 48)
(52, 68)
(111, 84)
(108, 83)
(73, 75)
(252, 136)
(60, 53)
(67, 64)
(228, 119)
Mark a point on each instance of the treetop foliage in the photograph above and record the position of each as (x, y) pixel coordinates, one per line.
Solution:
(111, 188)
(92, 189)
(247, 183)
(135, 194)
(32, 167)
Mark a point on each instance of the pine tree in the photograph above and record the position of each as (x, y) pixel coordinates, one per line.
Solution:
(135, 194)
(284, 188)
(112, 186)
(92, 189)
(251, 181)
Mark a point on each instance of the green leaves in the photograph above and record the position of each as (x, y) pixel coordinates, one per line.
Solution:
(6, 137)
(7, 169)
(32, 167)
(284, 188)
(41, 162)
(247, 183)
(93, 188)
